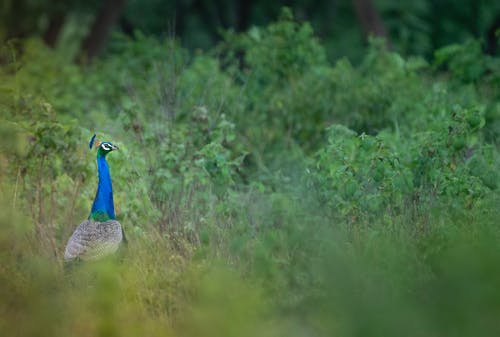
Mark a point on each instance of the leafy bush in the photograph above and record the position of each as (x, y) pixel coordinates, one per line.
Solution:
(387, 174)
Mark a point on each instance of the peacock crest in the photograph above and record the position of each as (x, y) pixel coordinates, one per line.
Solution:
(101, 234)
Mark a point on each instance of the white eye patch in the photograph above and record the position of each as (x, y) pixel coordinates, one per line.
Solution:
(106, 146)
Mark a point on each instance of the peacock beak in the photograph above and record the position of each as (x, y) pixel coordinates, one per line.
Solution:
(114, 147)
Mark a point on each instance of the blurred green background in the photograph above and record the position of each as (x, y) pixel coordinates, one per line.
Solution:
(287, 168)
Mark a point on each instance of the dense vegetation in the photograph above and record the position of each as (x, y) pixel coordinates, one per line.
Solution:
(413, 27)
(264, 190)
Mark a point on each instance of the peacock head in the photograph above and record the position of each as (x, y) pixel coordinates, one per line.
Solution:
(103, 147)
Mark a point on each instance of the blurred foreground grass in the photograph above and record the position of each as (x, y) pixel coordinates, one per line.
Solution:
(378, 284)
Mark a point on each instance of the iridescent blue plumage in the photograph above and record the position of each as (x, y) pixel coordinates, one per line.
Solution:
(103, 207)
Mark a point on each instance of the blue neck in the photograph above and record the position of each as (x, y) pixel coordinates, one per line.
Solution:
(103, 207)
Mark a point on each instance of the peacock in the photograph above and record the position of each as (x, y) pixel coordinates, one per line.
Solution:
(100, 234)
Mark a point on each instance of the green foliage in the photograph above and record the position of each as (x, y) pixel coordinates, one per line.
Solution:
(466, 62)
(263, 190)
(360, 175)
(284, 65)
(377, 176)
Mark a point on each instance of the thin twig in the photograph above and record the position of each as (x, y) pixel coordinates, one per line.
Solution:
(15, 188)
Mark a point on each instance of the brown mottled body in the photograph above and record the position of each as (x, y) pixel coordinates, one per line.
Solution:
(92, 240)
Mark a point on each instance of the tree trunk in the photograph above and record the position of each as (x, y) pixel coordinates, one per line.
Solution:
(369, 18)
(126, 27)
(55, 26)
(106, 18)
(491, 37)
(243, 9)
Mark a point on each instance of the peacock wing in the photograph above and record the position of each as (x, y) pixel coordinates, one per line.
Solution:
(93, 239)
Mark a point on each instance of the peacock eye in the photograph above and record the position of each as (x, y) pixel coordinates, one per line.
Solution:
(106, 147)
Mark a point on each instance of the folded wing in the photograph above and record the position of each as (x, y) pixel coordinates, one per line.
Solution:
(92, 240)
